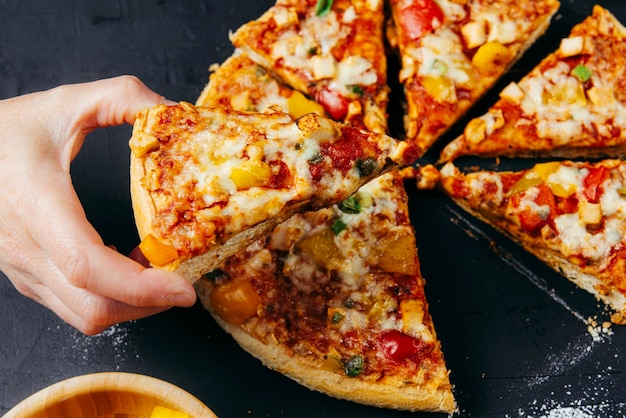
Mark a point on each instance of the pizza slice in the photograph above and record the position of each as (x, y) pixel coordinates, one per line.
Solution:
(334, 299)
(571, 215)
(453, 51)
(332, 51)
(207, 182)
(571, 105)
(243, 85)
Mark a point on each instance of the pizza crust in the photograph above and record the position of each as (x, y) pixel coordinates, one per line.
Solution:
(433, 398)
(554, 260)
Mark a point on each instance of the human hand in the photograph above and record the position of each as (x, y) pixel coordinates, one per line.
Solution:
(48, 249)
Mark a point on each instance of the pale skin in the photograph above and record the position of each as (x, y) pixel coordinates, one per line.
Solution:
(48, 249)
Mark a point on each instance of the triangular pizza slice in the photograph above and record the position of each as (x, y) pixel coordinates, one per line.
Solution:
(571, 215)
(571, 105)
(452, 52)
(207, 182)
(332, 51)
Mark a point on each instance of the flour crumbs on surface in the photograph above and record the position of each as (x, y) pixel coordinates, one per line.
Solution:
(116, 344)
(554, 410)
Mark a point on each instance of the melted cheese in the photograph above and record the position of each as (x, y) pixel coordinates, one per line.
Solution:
(564, 111)
(321, 35)
(576, 239)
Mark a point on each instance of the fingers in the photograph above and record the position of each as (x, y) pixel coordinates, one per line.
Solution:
(97, 104)
(78, 252)
(108, 102)
(47, 247)
(87, 312)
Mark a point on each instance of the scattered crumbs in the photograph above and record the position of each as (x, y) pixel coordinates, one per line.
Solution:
(554, 410)
(115, 342)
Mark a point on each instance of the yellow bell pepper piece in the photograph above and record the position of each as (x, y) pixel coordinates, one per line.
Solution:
(163, 412)
(321, 247)
(252, 173)
(490, 57)
(440, 87)
(395, 253)
(299, 105)
(235, 301)
(545, 170)
(157, 252)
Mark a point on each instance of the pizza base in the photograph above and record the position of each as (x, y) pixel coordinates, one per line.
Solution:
(309, 374)
(553, 259)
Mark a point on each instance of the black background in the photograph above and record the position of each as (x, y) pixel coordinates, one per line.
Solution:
(515, 334)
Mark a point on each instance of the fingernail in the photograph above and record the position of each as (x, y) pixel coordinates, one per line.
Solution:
(183, 299)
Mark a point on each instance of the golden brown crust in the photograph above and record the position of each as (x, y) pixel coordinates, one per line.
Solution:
(570, 223)
(584, 280)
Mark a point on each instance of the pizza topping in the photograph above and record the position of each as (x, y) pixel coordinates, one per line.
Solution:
(593, 183)
(235, 301)
(157, 252)
(491, 57)
(419, 17)
(350, 205)
(571, 46)
(582, 73)
(333, 102)
(322, 8)
(398, 346)
(299, 105)
(251, 173)
(354, 365)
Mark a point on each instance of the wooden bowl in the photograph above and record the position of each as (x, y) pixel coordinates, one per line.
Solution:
(108, 395)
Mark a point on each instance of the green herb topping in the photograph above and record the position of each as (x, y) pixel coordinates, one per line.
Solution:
(366, 166)
(356, 89)
(336, 318)
(316, 158)
(582, 73)
(350, 205)
(354, 365)
(322, 8)
(338, 226)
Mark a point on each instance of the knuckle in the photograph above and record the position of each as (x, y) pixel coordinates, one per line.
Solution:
(75, 267)
(96, 318)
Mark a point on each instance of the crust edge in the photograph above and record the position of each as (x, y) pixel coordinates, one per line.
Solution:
(409, 398)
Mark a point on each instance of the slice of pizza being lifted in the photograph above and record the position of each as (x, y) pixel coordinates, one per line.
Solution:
(571, 215)
(207, 182)
(332, 51)
(571, 105)
(453, 51)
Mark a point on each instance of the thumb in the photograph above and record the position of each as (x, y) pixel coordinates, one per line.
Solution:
(97, 104)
